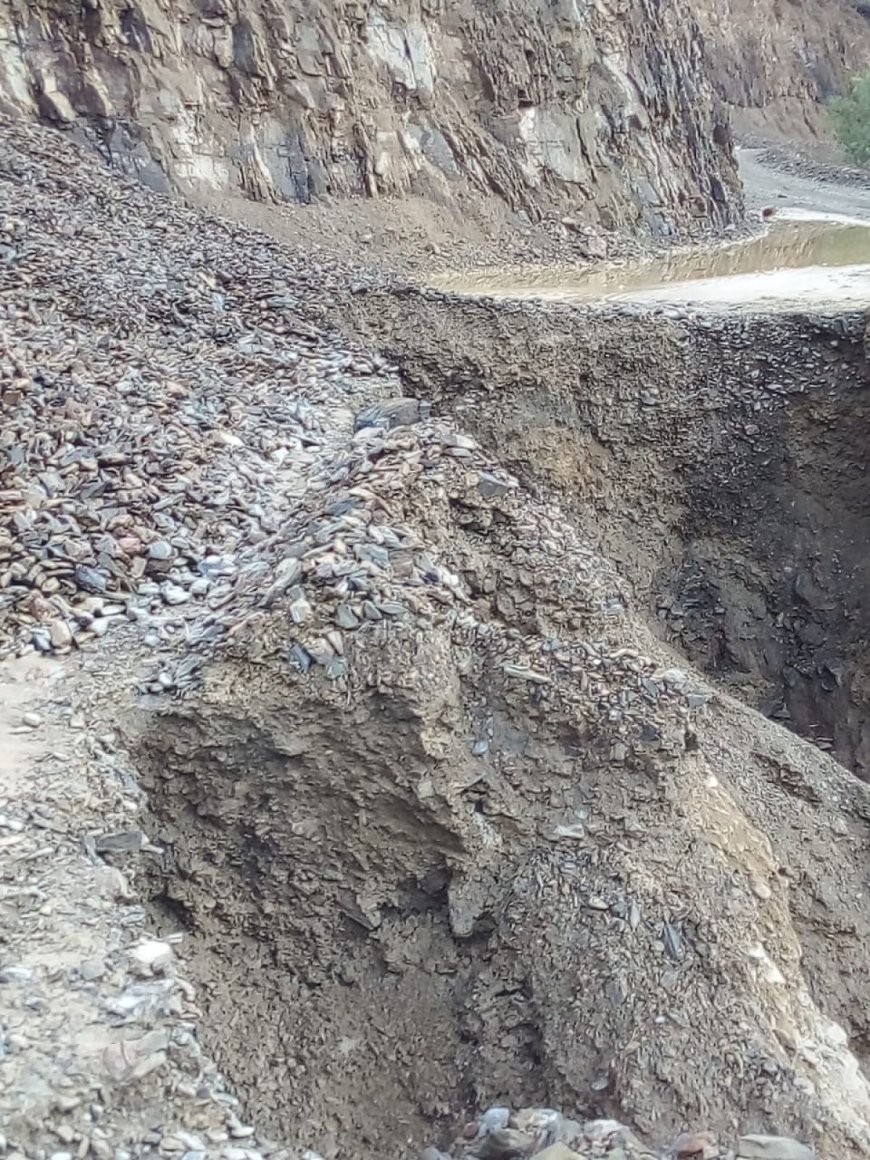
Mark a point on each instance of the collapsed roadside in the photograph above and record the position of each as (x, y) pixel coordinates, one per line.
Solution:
(494, 807)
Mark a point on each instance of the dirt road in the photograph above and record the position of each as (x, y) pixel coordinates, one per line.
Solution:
(765, 185)
(817, 252)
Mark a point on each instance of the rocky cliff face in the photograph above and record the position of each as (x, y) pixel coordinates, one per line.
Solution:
(775, 62)
(600, 108)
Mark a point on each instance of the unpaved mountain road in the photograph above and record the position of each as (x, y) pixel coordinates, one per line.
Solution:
(766, 185)
(816, 254)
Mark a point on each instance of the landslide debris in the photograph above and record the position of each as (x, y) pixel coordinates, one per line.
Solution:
(166, 386)
(730, 485)
(491, 769)
(442, 825)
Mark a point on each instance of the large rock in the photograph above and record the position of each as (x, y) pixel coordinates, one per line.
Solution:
(773, 1148)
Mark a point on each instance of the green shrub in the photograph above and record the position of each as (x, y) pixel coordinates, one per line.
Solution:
(851, 116)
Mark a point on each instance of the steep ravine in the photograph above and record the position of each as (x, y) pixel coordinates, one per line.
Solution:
(723, 467)
(600, 110)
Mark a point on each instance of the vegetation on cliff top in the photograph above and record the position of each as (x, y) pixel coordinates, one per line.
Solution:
(851, 116)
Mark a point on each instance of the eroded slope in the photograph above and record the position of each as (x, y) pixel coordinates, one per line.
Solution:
(775, 64)
(445, 781)
(730, 484)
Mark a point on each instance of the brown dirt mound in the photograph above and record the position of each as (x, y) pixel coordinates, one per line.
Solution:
(493, 845)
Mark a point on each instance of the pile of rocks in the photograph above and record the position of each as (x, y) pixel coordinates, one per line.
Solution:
(180, 421)
(546, 1134)
(392, 543)
(168, 389)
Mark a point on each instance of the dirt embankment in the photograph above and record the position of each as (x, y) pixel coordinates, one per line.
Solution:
(625, 882)
(720, 464)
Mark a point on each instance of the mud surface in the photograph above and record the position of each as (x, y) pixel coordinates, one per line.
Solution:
(813, 254)
(798, 261)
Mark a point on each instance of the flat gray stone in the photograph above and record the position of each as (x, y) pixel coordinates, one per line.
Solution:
(392, 413)
(490, 487)
(773, 1148)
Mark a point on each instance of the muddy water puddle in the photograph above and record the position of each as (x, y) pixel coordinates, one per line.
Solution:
(801, 260)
